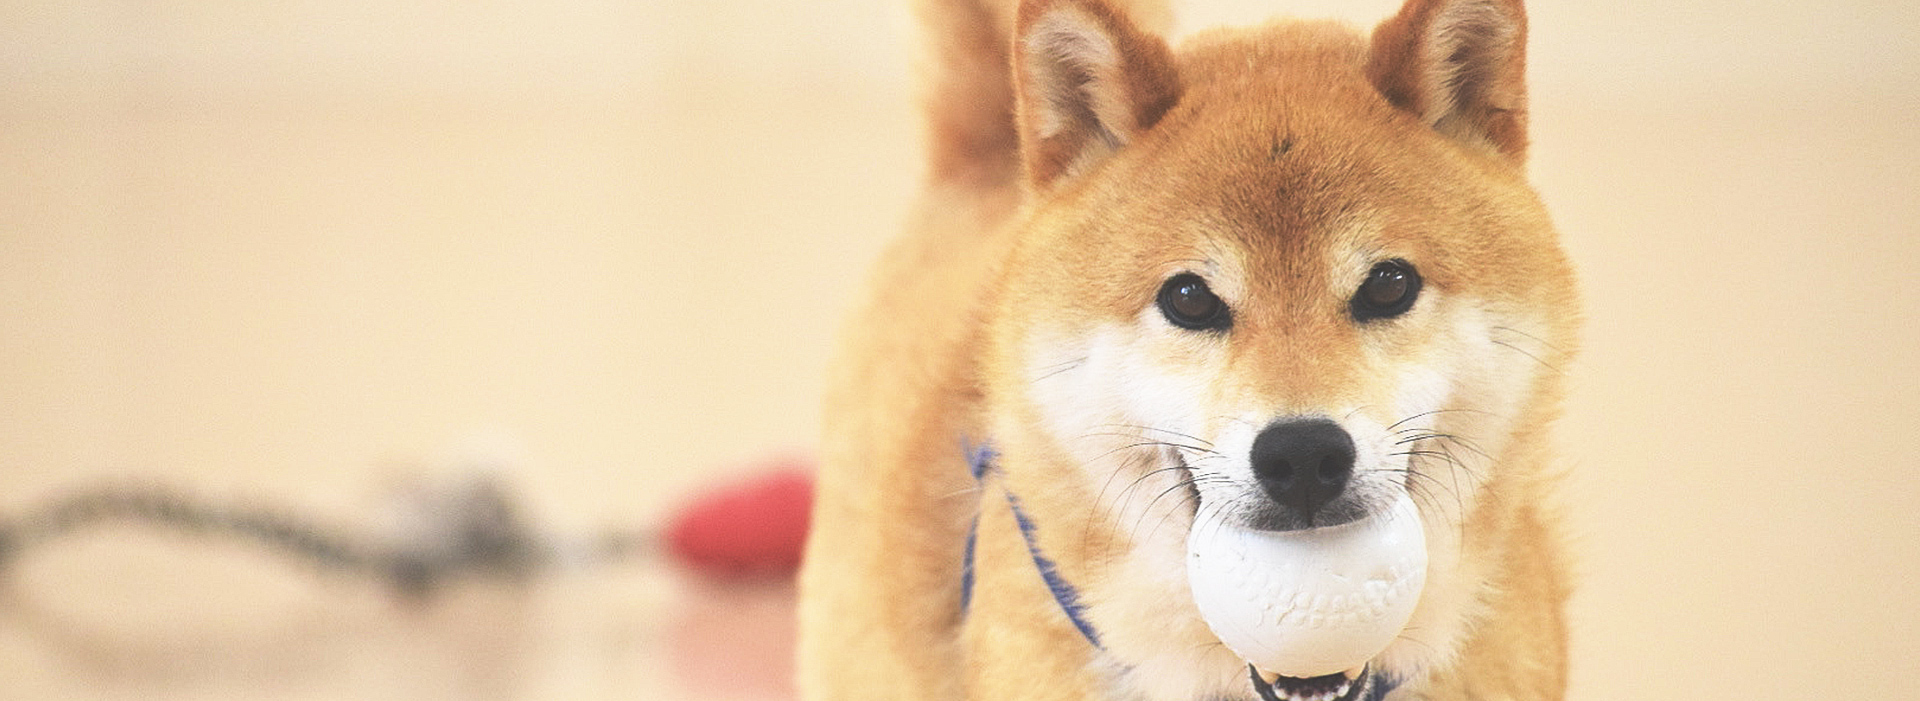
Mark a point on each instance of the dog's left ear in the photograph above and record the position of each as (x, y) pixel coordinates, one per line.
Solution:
(1087, 81)
(1460, 66)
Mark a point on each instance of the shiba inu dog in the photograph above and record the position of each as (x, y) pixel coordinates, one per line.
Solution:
(1284, 274)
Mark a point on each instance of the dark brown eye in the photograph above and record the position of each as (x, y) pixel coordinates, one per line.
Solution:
(1188, 304)
(1388, 291)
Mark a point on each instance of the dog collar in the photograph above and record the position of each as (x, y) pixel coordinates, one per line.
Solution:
(980, 462)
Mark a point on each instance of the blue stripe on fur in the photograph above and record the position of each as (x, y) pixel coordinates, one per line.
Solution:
(966, 567)
(980, 463)
(979, 459)
(1064, 593)
(1382, 685)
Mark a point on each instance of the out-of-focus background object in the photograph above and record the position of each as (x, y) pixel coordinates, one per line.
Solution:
(302, 252)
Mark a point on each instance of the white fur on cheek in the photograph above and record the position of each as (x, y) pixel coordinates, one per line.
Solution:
(1471, 391)
(1104, 396)
(1102, 389)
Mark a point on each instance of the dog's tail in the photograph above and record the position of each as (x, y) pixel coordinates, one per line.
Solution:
(967, 86)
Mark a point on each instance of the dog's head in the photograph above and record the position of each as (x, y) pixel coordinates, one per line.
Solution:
(1286, 273)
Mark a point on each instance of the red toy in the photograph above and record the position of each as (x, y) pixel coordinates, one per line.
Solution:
(755, 529)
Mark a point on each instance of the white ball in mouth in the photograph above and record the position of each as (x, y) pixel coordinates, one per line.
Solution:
(1309, 602)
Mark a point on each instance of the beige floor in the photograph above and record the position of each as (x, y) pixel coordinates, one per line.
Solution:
(297, 252)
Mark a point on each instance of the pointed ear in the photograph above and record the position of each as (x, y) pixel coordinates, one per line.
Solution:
(1087, 81)
(1460, 66)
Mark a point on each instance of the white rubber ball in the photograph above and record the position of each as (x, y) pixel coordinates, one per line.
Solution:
(1309, 602)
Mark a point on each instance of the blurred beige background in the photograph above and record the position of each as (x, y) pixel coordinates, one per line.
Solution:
(298, 251)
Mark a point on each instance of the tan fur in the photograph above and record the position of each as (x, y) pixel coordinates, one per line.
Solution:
(1281, 162)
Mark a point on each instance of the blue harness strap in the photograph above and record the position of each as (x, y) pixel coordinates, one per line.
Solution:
(980, 462)
(1063, 593)
(1382, 686)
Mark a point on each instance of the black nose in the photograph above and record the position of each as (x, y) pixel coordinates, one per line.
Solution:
(1303, 463)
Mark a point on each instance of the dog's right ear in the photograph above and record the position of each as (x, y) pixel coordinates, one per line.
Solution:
(1087, 82)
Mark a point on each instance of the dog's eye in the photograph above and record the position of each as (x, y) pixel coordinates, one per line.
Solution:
(1389, 291)
(1188, 304)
